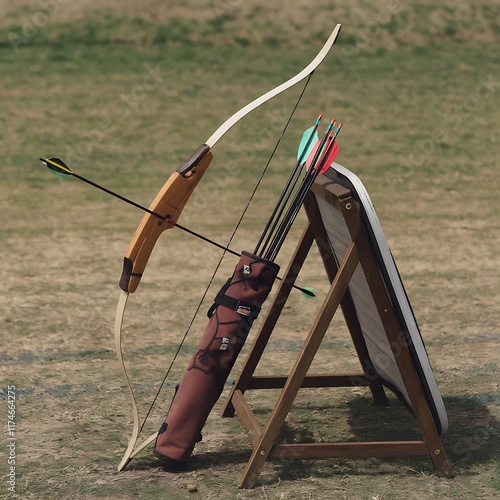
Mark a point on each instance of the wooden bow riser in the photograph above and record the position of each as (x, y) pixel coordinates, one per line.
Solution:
(179, 188)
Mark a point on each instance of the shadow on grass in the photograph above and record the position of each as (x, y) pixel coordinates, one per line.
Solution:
(473, 438)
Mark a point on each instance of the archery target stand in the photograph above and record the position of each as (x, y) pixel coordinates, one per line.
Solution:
(366, 285)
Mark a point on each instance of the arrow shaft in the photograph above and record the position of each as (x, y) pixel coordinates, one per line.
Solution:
(316, 165)
(119, 196)
(175, 224)
(286, 193)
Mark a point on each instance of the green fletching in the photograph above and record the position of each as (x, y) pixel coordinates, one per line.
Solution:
(308, 292)
(306, 142)
(57, 167)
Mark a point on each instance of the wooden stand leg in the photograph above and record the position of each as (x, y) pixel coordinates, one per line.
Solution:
(266, 439)
(402, 356)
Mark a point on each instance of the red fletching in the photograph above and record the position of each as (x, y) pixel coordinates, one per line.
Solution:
(330, 158)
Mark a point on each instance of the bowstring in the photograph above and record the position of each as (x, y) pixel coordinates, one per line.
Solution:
(240, 220)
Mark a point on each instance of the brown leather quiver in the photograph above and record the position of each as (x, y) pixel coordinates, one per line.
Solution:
(235, 308)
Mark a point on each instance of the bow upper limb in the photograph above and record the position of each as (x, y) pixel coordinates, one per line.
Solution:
(174, 195)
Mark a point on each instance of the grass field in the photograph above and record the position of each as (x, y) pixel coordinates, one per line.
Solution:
(124, 92)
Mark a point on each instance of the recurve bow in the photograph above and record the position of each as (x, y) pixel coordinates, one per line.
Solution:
(170, 201)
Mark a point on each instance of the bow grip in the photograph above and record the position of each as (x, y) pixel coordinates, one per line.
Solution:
(169, 202)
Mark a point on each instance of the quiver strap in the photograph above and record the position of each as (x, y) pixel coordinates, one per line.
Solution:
(235, 308)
